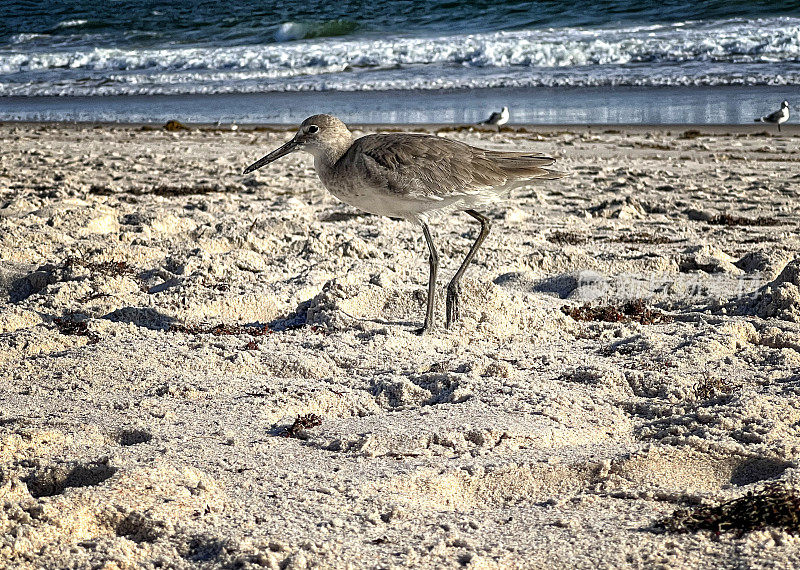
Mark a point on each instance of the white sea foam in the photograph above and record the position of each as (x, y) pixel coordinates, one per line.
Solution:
(71, 23)
(23, 38)
(730, 52)
(290, 31)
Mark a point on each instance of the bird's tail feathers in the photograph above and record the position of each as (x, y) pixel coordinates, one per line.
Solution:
(520, 165)
(551, 174)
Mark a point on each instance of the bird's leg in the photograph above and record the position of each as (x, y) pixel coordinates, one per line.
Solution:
(433, 261)
(453, 287)
(779, 127)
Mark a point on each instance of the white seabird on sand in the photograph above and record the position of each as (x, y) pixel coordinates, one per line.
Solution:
(776, 118)
(497, 119)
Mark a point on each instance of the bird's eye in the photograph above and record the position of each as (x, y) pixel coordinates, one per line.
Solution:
(311, 129)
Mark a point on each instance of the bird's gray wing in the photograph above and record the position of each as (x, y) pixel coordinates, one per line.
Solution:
(773, 117)
(430, 167)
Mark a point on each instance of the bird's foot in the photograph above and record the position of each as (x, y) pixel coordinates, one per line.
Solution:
(452, 305)
(423, 330)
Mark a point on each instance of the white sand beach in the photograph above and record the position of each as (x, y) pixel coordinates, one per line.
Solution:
(164, 321)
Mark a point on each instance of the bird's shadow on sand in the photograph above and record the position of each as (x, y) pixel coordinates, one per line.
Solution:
(145, 317)
(299, 320)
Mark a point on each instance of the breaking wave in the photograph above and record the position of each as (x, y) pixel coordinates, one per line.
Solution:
(291, 31)
(315, 57)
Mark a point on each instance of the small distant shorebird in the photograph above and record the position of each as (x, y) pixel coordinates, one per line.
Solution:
(412, 176)
(776, 118)
(497, 119)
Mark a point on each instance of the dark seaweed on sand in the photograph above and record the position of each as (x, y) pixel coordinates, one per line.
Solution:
(569, 238)
(690, 134)
(775, 506)
(630, 311)
(173, 125)
(731, 220)
(104, 267)
(223, 329)
(166, 190)
(302, 423)
(643, 238)
(71, 327)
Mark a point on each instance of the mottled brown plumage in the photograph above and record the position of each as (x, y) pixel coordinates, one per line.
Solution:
(412, 176)
(431, 169)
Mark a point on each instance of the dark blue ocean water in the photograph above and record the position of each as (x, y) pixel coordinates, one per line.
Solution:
(148, 23)
(123, 48)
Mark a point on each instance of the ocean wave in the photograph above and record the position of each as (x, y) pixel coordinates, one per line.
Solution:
(734, 43)
(24, 38)
(219, 82)
(71, 23)
(763, 51)
(292, 31)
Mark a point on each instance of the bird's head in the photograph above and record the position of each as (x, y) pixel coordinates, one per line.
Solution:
(319, 135)
(785, 104)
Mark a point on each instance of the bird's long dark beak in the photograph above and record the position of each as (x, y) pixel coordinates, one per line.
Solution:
(274, 155)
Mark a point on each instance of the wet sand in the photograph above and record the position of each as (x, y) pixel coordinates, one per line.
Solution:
(687, 105)
(168, 326)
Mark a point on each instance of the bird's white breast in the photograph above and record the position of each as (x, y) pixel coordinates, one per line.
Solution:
(356, 190)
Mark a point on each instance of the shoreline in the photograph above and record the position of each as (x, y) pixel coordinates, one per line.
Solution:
(574, 105)
(790, 129)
